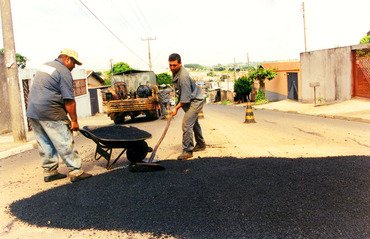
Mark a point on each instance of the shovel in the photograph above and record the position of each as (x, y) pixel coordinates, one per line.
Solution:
(150, 166)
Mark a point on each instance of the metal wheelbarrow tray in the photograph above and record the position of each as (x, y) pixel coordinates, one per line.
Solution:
(127, 138)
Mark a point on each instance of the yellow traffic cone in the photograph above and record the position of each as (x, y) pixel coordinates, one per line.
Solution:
(249, 117)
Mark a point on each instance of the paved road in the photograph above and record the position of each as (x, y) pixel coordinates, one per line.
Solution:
(281, 184)
(217, 198)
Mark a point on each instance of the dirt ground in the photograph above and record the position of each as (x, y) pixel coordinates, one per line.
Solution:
(21, 177)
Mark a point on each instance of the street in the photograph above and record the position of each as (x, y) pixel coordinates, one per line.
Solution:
(286, 176)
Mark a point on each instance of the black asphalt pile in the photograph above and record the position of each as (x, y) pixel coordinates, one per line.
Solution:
(217, 198)
(118, 132)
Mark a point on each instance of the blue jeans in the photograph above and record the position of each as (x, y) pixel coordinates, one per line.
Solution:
(55, 138)
(190, 125)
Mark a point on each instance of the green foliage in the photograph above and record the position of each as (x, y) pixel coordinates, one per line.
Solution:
(261, 74)
(21, 60)
(219, 67)
(120, 67)
(261, 98)
(194, 66)
(164, 78)
(243, 87)
(107, 81)
(224, 77)
(365, 39)
(225, 102)
(211, 73)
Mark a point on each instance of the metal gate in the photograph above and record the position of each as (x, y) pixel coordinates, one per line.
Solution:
(292, 85)
(26, 92)
(361, 73)
(94, 102)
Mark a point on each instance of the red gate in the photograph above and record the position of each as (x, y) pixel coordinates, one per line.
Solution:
(361, 73)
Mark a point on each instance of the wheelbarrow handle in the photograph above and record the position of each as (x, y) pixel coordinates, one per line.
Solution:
(86, 133)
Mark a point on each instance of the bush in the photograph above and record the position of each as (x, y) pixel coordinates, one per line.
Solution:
(243, 87)
(261, 98)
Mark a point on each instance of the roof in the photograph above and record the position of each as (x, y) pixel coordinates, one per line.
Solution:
(95, 75)
(283, 66)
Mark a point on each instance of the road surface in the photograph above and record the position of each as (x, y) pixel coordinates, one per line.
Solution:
(287, 176)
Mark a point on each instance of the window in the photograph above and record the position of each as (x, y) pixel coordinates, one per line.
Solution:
(79, 87)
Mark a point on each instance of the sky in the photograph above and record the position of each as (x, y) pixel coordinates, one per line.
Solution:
(206, 32)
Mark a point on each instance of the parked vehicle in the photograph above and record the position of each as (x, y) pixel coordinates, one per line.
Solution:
(133, 93)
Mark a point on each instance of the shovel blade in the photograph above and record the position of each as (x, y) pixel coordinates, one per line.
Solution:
(145, 167)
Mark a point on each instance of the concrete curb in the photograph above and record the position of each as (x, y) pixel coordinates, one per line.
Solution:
(348, 118)
(19, 149)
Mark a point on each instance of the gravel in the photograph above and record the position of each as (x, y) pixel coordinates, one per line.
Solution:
(216, 198)
(118, 132)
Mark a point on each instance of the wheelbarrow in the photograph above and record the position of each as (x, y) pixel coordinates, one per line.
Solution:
(128, 139)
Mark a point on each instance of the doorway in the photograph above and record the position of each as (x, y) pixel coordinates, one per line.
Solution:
(292, 85)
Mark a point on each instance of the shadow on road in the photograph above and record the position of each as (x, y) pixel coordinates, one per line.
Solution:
(217, 198)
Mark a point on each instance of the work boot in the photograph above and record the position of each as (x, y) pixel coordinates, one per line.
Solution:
(80, 177)
(199, 147)
(54, 177)
(185, 155)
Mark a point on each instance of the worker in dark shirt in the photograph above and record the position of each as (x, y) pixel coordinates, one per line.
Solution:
(191, 101)
(52, 114)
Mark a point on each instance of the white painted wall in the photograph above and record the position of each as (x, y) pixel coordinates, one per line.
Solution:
(332, 68)
(82, 102)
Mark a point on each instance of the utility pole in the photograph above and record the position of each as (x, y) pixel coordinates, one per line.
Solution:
(248, 59)
(234, 70)
(150, 59)
(11, 73)
(304, 27)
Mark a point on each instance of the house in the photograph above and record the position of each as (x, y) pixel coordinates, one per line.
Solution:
(93, 79)
(286, 84)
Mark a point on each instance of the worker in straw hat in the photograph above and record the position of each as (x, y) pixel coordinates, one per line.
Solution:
(52, 114)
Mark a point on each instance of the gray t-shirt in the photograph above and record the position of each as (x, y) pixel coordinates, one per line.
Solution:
(186, 87)
(52, 84)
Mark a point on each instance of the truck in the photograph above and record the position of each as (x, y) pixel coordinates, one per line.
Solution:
(132, 93)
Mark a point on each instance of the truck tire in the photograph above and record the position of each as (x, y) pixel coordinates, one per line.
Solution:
(119, 119)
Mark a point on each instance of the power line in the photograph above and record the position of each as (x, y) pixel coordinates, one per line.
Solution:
(106, 27)
(143, 16)
(123, 19)
(138, 17)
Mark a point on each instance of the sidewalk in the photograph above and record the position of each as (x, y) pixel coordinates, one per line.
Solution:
(352, 110)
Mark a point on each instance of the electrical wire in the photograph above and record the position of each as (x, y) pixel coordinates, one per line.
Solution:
(106, 27)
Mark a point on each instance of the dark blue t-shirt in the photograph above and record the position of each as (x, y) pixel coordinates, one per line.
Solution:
(52, 84)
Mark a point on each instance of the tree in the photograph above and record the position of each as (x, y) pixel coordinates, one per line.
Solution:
(365, 39)
(261, 75)
(120, 67)
(194, 66)
(21, 60)
(164, 78)
(243, 87)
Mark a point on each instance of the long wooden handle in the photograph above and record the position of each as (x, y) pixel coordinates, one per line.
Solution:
(160, 140)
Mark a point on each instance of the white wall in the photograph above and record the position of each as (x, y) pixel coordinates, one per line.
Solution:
(332, 68)
(82, 102)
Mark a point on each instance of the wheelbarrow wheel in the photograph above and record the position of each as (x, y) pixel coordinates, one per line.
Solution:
(137, 151)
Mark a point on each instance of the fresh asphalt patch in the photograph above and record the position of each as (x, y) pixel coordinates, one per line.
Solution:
(216, 198)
